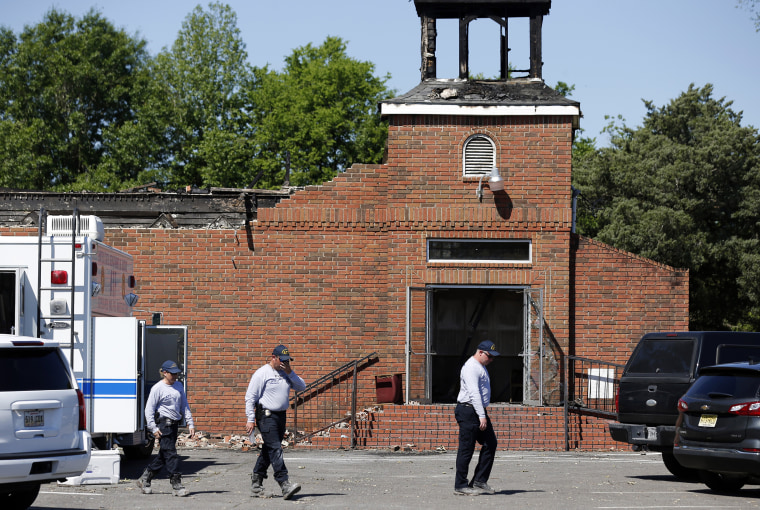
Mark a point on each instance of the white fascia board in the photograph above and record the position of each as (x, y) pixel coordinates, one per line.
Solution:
(491, 111)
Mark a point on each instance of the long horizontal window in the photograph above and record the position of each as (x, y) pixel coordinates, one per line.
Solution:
(515, 251)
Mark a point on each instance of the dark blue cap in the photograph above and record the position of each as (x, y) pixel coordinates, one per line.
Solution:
(282, 352)
(171, 367)
(489, 347)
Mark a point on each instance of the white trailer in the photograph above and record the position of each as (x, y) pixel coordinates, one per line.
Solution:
(65, 284)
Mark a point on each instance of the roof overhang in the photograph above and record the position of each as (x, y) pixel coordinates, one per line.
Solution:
(483, 111)
(482, 8)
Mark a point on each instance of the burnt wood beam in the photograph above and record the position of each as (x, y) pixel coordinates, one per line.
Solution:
(427, 50)
(536, 59)
(218, 209)
(503, 46)
(464, 47)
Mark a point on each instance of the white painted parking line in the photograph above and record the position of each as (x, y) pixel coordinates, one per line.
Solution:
(72, 493)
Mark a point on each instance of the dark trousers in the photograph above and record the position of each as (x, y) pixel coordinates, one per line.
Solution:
(167, 447)
(469, 434)
(272, 430)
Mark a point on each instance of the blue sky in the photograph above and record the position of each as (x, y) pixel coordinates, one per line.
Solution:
(615, 52)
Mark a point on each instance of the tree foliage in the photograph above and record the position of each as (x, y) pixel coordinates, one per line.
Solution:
(65, 86)
(84, 107)
(684, 190)
(752, 6)
(320, 113)
(202, 83)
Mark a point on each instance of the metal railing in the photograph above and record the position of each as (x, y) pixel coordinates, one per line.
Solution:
(590, 389)
(329, 401)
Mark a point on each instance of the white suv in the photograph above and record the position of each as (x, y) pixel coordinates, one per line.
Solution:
(43, 434)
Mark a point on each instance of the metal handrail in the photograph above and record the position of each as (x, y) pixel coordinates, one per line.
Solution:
(317, 387)
(590, 389)
(332, 375)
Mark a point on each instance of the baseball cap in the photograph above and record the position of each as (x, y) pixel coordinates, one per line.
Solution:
(171, 367)
(489, 347)
(282, 352)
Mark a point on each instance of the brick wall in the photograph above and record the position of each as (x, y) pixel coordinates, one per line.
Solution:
(619, 296)
(326, 272)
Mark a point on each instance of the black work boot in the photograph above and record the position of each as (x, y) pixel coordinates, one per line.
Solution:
(257, 486)
(289, 488)
(144, 481)
(177, 488)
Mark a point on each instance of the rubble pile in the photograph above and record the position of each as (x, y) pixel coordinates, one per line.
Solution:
(231, 441)
(244, 442)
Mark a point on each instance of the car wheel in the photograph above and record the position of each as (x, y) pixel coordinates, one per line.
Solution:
(677, 470)
(20, 498)
(721, 482)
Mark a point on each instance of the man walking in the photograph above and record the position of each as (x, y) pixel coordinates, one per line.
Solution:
(474, 423)
(165, 409)
(266, 403)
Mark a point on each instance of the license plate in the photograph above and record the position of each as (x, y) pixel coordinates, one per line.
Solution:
(652, 433)
(708, 420)
(34, 418)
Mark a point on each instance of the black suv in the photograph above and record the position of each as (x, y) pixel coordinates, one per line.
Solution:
(660, 370)
(718, 429)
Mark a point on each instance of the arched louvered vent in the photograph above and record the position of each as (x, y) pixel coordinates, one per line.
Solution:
(479, 155)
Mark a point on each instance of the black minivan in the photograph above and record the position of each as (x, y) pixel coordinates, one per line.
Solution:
(660, 370)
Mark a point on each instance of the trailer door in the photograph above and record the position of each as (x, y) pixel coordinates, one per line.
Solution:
(162, 343)
(111, 387)
(12, 286)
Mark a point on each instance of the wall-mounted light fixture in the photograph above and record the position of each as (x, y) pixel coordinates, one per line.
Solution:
(131, 299)
(495, 183)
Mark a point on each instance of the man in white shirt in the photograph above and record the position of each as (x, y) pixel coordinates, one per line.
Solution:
(474, 423)
(266, 403)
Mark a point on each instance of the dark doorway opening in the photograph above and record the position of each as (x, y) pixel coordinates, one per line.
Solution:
(8, 302)
(461, 318)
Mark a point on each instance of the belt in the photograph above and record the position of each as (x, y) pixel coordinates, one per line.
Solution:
(466, 404)
(169, 421)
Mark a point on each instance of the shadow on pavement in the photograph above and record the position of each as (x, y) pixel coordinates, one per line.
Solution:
(133, 468)
(662, 478)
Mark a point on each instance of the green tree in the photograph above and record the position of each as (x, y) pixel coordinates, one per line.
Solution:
(752, 6)
(683, 190)
(320, 113)
(65, 84)
(564, 89)
(200, 91)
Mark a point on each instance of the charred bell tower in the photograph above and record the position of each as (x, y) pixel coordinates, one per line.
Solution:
(466, 11)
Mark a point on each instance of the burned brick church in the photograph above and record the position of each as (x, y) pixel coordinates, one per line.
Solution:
(382, 281)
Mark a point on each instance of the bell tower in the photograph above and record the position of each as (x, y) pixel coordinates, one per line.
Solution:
(517, 93)
(466, 11)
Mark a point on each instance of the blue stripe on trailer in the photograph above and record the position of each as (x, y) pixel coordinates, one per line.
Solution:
(109, 388)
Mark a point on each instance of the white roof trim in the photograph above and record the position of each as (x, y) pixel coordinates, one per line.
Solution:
(491, 111)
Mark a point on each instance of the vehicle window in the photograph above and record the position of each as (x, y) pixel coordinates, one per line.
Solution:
(731, 353)
(33, 369)
(737, 386)
(656, 355)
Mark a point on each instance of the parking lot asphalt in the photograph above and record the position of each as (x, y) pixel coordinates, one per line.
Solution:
(220, 479)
